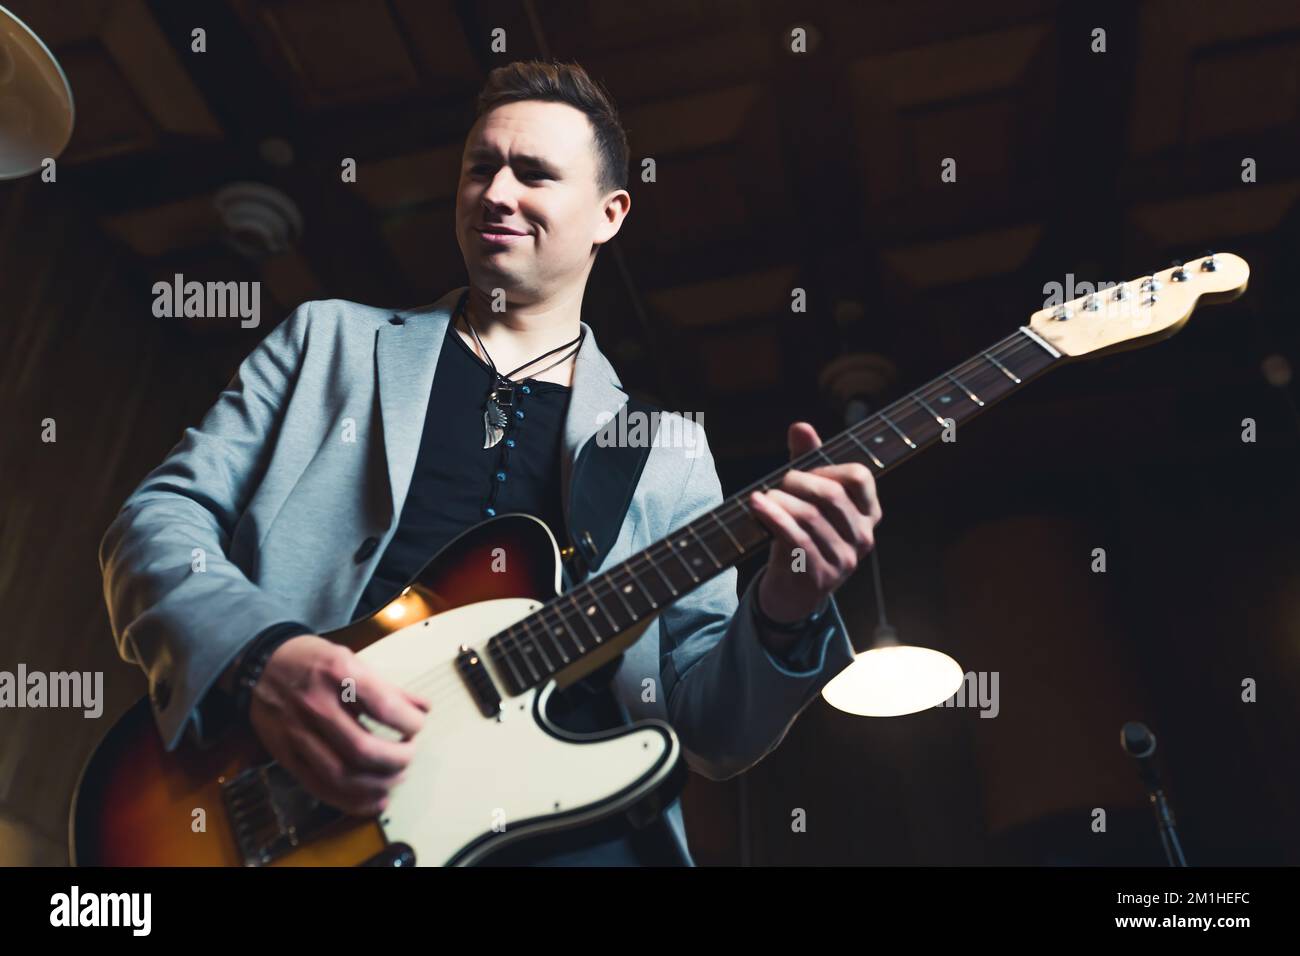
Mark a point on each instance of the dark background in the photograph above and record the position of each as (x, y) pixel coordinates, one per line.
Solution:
(775, 171)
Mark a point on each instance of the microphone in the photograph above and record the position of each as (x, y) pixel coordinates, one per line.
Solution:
(1140, 743)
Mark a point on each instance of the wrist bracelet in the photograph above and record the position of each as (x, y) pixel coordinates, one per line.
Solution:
(790, 627)
(253, 663)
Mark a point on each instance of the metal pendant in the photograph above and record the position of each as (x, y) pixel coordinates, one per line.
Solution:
(494, 415)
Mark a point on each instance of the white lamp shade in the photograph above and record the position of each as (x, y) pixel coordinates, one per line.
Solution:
(894, 680)
(36, 111)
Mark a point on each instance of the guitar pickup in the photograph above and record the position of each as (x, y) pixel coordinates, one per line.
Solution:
(476, 677)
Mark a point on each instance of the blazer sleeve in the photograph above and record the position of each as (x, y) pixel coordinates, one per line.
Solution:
(184, 626)
(730, 701)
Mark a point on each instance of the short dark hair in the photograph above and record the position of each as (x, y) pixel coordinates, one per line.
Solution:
(565, 83)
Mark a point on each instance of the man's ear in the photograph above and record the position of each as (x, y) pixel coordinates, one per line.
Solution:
(617, 206)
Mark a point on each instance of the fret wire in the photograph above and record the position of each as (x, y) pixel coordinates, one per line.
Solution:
(519, 678)
(937, 417)
(924, 417)
(969, 394)
(707, 550)
(671, 588)
(1005, 370)
(870, 454)
(734, 540)
(556, 611)
(654, 605)
(596, 597)
(626, 603)
(910, 443)
(521, 650)
(549, 626)
(541, 650)
(547, 631)
(689, 570)
(496, 652)
(584, 617)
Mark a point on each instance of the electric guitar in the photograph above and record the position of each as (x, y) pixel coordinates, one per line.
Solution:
(492, 773)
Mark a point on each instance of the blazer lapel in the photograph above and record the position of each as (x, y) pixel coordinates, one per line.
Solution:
(596, 390)
(406, 356)
(406, 359)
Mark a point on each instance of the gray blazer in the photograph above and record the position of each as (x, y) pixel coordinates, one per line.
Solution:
(279, 504)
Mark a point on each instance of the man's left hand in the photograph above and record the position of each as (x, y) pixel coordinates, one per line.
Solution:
(830, 513)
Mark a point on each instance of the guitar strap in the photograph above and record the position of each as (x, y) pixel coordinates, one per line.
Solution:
(605, 476)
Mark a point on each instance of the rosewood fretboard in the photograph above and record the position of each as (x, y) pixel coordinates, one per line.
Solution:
(579, 621)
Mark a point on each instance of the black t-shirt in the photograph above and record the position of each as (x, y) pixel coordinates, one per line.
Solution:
(457, 482)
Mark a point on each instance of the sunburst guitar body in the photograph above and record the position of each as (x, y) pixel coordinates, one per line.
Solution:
(493, 779)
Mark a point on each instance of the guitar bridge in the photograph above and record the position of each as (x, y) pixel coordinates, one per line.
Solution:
(270, 813)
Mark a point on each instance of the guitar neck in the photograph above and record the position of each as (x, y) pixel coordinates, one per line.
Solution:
(579, 621)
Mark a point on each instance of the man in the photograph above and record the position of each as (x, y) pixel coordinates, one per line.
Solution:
(355, 442)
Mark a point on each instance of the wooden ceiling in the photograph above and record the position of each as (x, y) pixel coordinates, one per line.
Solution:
(776, 170)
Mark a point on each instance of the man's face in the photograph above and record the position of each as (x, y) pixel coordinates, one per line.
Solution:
(530, 168)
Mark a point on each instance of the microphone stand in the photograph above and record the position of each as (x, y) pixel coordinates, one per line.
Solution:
(1140, 743)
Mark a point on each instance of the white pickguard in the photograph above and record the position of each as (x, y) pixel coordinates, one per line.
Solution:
(507, 777)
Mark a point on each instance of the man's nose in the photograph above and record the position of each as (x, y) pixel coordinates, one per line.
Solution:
(501, 191)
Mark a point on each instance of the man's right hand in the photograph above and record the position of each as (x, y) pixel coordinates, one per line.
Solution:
(299, 713)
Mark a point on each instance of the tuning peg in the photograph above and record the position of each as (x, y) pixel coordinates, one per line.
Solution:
(1179, 274)
(1209, 263)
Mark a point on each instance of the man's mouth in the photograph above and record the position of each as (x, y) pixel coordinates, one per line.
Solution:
(502, 238)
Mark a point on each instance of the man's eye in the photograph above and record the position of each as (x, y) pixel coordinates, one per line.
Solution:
(483, 167)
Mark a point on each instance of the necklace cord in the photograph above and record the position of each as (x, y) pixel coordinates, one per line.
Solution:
(509, 376)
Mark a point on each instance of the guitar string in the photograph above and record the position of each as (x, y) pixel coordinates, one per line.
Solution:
(734, 507)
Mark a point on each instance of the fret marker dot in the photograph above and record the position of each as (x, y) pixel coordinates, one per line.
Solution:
(591, 611)
(627, 589)
(879, 439)
(945, 399)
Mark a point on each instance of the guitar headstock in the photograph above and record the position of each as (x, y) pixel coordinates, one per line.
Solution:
(1145, 310)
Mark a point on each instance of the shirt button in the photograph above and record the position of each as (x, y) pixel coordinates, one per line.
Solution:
(510, 443)
(490, 511)
(501, 476)
(526, 390)
(366, 550)
(519, 414)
